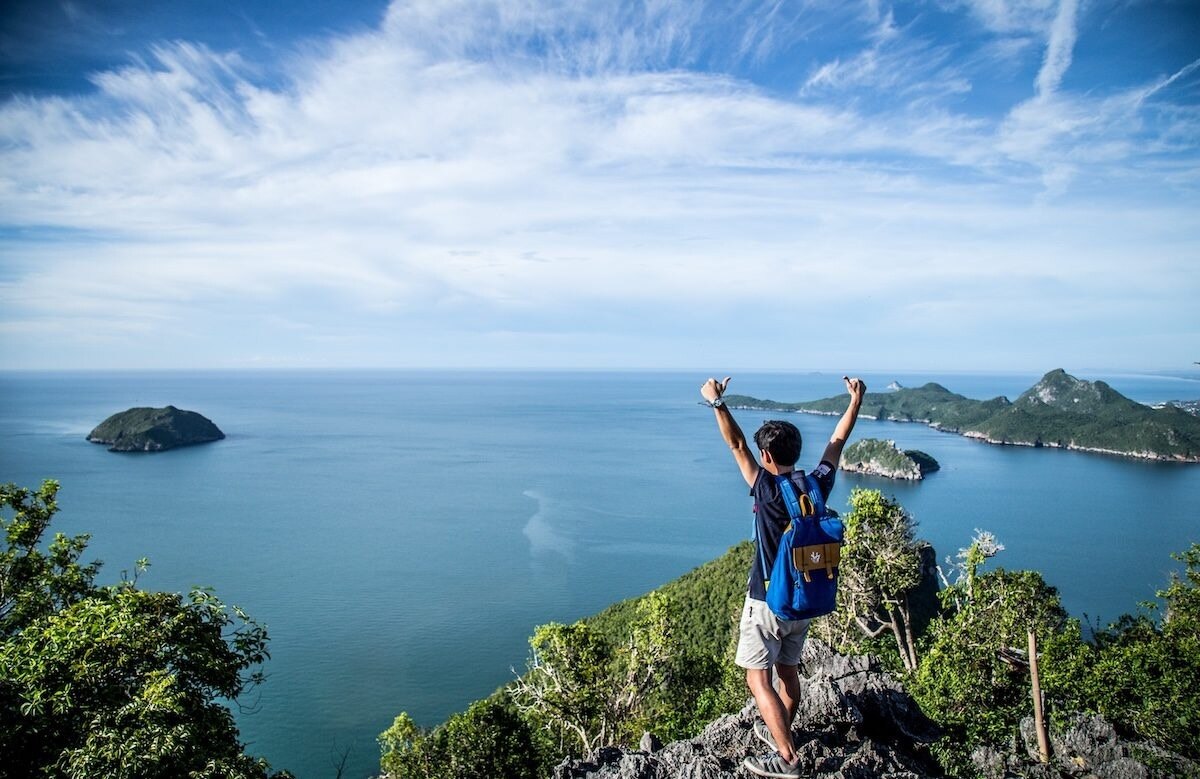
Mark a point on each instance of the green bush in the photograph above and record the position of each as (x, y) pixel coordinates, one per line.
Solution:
(969, 680)
(113, 681)
(1144, 675)
(489, 739)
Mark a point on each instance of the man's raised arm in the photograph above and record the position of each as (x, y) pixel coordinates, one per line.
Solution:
(833, 452)
(711, 391)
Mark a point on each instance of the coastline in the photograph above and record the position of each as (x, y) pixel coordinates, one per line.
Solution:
(978, 436)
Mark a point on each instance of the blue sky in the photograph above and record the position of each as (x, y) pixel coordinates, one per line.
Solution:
(952, 184)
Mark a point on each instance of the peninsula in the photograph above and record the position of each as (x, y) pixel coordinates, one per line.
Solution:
(154, 430)
(1060, 411)
(883, 458)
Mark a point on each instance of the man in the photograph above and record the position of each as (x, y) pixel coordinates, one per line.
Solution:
(765, 640)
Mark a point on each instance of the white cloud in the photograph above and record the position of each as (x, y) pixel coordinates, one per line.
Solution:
(1058, 49)
(485, 162)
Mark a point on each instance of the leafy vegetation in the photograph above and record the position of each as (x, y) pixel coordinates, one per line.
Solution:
(113, 681)
(1060, 410)
(663, 662)
(490, 738)
(880, 574)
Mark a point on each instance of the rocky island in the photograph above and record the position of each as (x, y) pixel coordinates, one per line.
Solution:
(154, 430)
(883, 458)
(1060, 411)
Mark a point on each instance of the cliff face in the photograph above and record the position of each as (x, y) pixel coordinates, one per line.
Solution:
(856, 721)
(154, 430)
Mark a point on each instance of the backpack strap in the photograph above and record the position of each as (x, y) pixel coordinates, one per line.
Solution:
(800, 505)
(814, 494)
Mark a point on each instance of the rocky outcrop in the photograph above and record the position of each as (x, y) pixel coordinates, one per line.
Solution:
(154, 430)
(1085, 747)
(883, 458)
(856, 722)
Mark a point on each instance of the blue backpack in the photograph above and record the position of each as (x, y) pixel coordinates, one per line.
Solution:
(803, 582)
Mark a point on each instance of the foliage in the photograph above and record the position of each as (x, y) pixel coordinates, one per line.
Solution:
(881, 566)
(489, 739)
(113, 681)
(1144, 674)
(33, 583)
(970, 678)
(582, 686)
(704, 604)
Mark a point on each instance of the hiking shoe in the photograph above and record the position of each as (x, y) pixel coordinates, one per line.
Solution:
(772, 765)
(764, 735)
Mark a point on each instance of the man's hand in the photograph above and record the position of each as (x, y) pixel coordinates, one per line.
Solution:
(713, 389)
(833, 451)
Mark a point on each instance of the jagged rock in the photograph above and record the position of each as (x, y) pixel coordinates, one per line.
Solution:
(1086, 747)
(650, 743)
(854, 722)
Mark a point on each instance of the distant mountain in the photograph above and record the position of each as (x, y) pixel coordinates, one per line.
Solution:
(154, 430)
(1059, 411)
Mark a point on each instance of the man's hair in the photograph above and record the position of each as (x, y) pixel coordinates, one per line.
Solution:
(780, 439)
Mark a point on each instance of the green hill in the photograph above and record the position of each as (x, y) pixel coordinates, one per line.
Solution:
(1059, 411)
(712, 595)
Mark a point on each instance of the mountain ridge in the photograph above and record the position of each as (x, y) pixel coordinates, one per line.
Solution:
(1060, 411)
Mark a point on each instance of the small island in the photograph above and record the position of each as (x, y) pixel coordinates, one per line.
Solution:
(1060, 411)
(876, 457)
(154, 430)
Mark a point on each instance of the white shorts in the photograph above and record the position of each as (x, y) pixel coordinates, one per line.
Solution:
(765, 640)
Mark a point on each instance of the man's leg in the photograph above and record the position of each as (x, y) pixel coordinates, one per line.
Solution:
(775, 713)
(789, 689)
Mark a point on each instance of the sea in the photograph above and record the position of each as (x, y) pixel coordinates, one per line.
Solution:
(401, 533)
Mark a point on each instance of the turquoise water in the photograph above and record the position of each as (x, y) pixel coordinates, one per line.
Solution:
(401, 534)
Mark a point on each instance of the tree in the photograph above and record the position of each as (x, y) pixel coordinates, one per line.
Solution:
(970, 677)
(489, 739)
(1145, 673)
(34, 583)
(113, 681)
(581, 685)
(881, 565)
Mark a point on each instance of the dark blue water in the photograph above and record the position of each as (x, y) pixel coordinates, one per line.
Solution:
(401, 534)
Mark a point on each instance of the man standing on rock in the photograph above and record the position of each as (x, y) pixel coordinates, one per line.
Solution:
(765, 640)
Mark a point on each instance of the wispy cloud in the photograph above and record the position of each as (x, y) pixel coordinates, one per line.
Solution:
(512, 167)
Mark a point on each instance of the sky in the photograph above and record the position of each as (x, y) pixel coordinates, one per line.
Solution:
(724, 186)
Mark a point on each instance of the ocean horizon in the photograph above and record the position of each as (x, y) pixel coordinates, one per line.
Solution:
(401, 532)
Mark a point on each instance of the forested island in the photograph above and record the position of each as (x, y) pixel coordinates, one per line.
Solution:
(883, 458)
(154, 430)
(1060, 411)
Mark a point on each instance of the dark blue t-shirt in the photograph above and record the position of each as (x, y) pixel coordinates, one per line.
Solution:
(771, 519)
